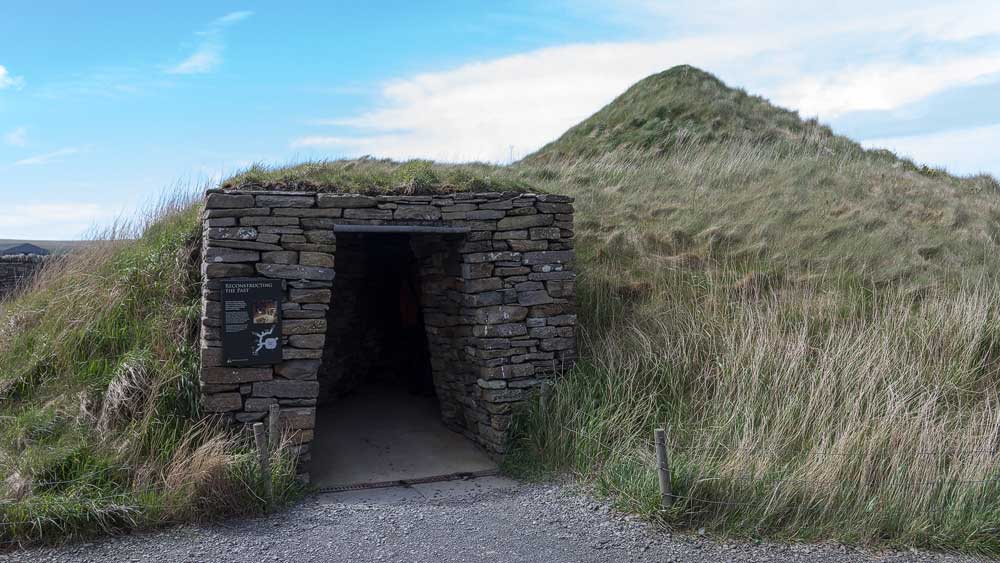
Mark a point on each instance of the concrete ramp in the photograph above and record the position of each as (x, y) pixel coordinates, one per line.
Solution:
(384, 436)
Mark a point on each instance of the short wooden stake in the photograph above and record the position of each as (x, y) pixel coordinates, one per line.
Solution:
(663, 468)
(260, 437)
(274, 428)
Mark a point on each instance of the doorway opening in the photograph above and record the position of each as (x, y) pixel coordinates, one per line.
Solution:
(392, 379)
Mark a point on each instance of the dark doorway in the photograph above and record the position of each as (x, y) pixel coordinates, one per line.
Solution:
(376, 334)
(379, 416)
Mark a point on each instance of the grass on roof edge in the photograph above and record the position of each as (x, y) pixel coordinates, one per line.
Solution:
(372, 176)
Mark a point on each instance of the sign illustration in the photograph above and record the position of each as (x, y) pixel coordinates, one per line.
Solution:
(252, 321)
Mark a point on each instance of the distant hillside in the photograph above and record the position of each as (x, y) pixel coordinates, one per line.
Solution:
(53, 246)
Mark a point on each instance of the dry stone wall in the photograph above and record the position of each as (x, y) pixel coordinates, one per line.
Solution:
(498, 298)
(17, 270)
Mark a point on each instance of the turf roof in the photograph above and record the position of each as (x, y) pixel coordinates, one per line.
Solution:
(377, 176)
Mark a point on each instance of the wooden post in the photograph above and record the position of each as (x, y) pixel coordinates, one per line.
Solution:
(260, 438)
(274, 428)
(663, 468)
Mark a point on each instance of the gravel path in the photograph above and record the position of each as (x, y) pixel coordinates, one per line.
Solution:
(487, 519)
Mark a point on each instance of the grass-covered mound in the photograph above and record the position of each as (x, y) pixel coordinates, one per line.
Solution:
(677, 106)
(726, 173)
(685, 106)
(98, 394)
(377, 176)
(818, 325)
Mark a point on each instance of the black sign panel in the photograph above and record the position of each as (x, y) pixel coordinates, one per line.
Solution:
(251, 324)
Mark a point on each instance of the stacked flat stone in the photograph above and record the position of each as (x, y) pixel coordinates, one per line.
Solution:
(498, 304)
(16, 270)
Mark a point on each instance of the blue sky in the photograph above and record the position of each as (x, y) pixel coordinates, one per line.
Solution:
(104, 105)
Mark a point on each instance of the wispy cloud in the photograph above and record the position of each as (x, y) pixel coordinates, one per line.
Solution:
(326, 141)
(78, 211)
(883, 85)
(233, 17)
(47, 220)
(103, 82)
(826, 64)
(965, 151)
(204, 60)
(478, 111)
(885, 20)
(7, 80)
(17, 137)
(47, 157)
(208, 55)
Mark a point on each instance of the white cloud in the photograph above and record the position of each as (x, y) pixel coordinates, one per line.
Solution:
(17, 137)
(208, 55)
(965, 151)
(47, 157)
(204, 60)
(883, 85)
(51, 220)
(786, 50)
(233, 17)
(9, 81)
(327, 141)
(479, 111)
(891, 20)
(59, 212)
(951, 22)
(103, 82)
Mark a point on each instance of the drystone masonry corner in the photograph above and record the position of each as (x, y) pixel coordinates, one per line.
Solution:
(497, 298)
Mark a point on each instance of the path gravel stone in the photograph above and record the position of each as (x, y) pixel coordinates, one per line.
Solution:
(486, 519)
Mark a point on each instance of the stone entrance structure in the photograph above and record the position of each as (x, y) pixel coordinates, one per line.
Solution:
(491, 275)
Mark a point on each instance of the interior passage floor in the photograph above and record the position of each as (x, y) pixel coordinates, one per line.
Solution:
(379, 435)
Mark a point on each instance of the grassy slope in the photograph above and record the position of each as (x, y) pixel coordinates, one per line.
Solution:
(682, 104)
(101, 427)
(680, 151)
(817, 324)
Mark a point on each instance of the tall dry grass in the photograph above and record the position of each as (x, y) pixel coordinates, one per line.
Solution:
(98, 392)
(819, 331)
(865, 416)
(792, 204)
